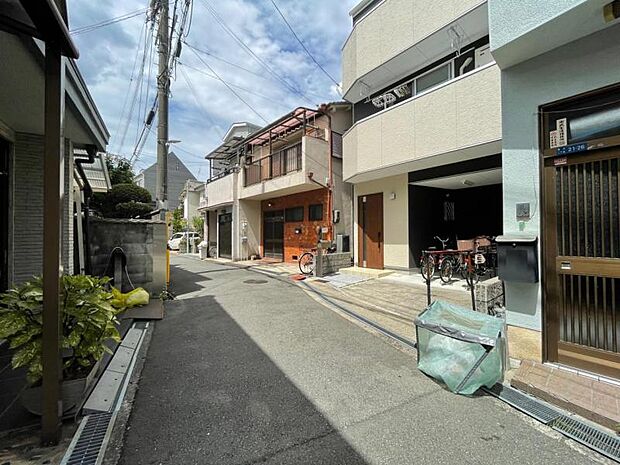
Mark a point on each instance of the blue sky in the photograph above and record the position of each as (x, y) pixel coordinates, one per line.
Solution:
(202, 108)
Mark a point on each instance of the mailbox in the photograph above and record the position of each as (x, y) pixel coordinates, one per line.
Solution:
(517, 258)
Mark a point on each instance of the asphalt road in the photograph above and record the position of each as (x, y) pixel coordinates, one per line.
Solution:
(248, 369)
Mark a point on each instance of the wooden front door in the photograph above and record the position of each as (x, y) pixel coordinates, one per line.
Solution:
(582, 261)
(370, 231)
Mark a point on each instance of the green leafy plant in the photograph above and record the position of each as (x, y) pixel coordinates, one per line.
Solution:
(178, 223)
(123, 201)
(88, 322)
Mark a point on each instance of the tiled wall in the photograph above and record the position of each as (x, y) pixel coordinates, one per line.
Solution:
(295, 244)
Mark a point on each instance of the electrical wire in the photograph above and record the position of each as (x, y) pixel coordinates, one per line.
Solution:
(198, 104)
(303, 46)
(245, 47)
(229, 87)
(249, 91)
(131, 78)
(107, 22)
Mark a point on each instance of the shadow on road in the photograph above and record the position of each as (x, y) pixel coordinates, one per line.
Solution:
(208, 394)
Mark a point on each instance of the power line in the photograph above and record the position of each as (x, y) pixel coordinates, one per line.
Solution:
(107, 22)
(254, 73)
(249, 91)
(197, 100)
(229, 87)
(230, 32)
(303, 46)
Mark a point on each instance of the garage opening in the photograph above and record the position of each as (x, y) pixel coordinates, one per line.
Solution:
(458, 202)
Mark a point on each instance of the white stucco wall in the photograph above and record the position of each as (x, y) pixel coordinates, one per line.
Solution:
(372, 41)
(250, 227)
(395, 219)
(222, 191)
(578, 67)
(462, 113)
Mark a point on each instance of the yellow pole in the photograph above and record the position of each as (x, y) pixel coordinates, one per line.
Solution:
(168, 226)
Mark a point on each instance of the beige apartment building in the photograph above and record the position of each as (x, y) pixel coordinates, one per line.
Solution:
(424, 150)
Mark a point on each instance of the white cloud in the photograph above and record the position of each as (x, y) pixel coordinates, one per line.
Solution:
(200, 117)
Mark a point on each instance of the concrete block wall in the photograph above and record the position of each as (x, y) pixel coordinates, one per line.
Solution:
(332, 262)
(144, 244)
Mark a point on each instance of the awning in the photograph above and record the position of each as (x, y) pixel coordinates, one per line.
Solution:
(288, 122)
(226, 150)
(37, 18)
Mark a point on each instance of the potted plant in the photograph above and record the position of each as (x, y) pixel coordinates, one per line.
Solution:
(88, 322)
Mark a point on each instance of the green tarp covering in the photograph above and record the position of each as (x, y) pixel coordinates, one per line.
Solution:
(462, 348)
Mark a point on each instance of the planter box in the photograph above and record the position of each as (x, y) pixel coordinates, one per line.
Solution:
(73, 392)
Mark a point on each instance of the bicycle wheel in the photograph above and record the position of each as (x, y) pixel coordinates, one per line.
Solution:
(427, 267)
(471, 276)
(446, 268)
(306, 263)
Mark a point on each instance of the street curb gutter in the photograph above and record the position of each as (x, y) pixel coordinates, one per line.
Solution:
(99, 429)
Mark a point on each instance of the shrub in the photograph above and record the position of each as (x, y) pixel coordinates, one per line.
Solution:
(88, 321)
(132, 209)
(123, 194)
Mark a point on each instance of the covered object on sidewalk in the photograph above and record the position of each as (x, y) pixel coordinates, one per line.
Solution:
(462, 348)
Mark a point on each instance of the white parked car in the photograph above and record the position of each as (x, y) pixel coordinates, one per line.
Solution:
(175, 240)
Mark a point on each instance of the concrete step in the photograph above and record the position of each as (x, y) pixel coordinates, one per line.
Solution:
(585, 395)
(365, 272)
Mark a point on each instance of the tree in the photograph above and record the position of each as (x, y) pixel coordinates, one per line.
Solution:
(178, 222)
(120, 172)
(198, 222)
(124, 201)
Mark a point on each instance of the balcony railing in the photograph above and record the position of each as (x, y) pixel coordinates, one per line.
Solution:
(275, 165)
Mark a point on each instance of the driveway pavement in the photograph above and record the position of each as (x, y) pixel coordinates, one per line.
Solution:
(248, 369)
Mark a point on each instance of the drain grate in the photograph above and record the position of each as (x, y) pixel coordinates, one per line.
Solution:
(593, 438)
(90, 439)
(525, 403)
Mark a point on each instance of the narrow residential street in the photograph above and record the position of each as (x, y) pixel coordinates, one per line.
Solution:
(249, 369)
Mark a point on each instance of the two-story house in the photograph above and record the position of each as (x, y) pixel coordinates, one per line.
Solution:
(560, 65)
(283, 188)
(424, 151)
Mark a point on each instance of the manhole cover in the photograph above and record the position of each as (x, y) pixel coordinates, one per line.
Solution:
(255, 281)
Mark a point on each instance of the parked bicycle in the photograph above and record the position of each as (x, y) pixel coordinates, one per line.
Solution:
(432, 258)
(307, 260)
(473, 263)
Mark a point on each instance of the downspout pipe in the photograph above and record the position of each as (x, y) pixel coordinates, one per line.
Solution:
(91, 150)
(325, 109)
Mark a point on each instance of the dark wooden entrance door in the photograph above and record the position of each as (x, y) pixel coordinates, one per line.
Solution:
(370, 231)
(224, 236)
(273, 234)
(582, 261)
(4, 214)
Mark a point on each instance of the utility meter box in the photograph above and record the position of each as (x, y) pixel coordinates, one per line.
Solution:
(517, 258)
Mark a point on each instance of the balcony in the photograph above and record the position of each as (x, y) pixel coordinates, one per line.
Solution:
(286, 171)
(423, 32)
(221, 190)
(272, 166)
(454, 121)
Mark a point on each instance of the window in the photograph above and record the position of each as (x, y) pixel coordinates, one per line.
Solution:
(315, 212)
(433, 78)
(294, 214)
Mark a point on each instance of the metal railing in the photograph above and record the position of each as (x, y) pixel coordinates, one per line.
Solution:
(275, 165)
(221, 174)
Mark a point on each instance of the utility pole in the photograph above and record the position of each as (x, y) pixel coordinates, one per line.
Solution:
(163, 87)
